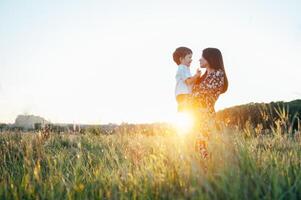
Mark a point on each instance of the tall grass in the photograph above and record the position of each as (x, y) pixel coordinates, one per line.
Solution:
(137, 166)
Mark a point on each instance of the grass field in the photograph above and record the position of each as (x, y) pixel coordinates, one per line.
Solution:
(137, 166)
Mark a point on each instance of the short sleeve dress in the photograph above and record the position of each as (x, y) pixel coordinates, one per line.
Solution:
(205, 94)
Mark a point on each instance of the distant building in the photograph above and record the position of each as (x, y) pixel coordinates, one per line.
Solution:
(29, 121)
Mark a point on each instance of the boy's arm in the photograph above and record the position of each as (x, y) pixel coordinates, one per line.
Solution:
(193, 79)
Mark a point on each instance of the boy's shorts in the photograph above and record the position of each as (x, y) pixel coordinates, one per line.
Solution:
(184, 102)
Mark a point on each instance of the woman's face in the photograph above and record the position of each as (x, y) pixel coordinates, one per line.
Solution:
(204, 63)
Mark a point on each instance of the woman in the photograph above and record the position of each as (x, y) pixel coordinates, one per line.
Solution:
(206, 92)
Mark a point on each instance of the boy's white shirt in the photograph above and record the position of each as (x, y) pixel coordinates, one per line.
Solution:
(182, 74)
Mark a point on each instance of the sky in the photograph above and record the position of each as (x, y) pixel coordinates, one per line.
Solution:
(103, 61)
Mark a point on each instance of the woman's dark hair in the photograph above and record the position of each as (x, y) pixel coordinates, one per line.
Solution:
(215, 59)
(180, 52)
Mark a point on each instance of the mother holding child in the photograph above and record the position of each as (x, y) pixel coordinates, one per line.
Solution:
(199, 93)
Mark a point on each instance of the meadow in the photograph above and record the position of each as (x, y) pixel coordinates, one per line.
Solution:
(244, 163)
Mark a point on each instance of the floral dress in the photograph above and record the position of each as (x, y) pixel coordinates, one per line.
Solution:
(205, 94)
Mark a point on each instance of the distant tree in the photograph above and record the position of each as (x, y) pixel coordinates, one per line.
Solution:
(38, 126)
(261, 113)
(3, 127)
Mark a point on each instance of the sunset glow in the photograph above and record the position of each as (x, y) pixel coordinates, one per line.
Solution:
(111, 61)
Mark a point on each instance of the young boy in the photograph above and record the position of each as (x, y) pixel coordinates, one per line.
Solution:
(184, 79)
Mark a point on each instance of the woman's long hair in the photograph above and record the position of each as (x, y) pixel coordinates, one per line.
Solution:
(215, 59)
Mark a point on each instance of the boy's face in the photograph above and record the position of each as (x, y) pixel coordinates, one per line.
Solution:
(186, 60)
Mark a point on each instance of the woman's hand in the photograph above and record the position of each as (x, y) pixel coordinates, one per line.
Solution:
(198, 73)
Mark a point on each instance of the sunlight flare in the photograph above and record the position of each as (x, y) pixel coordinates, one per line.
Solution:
(183, 122)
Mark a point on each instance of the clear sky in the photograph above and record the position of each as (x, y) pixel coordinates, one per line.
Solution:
(111, 60)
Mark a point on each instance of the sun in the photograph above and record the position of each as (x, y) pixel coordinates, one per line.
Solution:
(183, 122)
